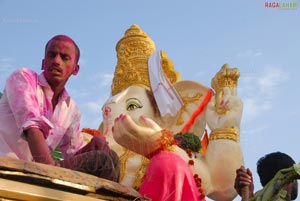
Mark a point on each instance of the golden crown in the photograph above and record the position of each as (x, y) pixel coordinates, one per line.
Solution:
(226, 77)
(133, 52)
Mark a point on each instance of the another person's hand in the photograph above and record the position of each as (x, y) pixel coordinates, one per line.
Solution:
(243, 178)
(97, 143)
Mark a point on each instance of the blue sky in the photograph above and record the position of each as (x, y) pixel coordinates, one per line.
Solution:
(199, 36)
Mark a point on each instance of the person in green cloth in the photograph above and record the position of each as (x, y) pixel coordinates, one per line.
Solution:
(278, 175)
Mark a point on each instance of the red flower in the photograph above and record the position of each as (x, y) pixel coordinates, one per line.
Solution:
(92, 132)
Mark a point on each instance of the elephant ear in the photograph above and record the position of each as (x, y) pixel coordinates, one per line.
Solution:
(193, 96)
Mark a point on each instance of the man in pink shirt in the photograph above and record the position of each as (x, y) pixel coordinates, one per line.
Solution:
(37, 114)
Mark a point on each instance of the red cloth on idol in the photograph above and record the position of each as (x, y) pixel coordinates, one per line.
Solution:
(169, 178)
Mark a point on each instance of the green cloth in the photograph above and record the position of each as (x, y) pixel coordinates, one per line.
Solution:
(280, 196)
(274, 190)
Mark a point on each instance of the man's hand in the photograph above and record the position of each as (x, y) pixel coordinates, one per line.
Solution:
(97, 143)
(38, 146)
(243, 178)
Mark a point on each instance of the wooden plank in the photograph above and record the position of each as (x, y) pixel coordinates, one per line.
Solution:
(27, 192)
(63, 179)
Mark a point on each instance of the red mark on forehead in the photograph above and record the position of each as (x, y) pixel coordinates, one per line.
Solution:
(62, 38)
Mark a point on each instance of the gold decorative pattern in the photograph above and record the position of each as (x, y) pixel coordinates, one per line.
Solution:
(168, 68)
(224, 133)
(226, 77)
(133, 52)
(141, 171)
(123, 159)
(186, 101)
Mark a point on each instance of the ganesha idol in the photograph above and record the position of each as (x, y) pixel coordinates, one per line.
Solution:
(150, 105)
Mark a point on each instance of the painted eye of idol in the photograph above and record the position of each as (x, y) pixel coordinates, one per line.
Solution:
(133, 104)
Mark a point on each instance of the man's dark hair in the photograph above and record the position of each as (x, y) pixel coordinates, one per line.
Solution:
(270, 164)
(64, 37)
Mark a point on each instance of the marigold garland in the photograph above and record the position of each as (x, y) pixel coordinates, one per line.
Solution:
(92, 132)
(166, 142)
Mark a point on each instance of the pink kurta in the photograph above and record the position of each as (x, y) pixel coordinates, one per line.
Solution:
(169, 178)
(26, 103)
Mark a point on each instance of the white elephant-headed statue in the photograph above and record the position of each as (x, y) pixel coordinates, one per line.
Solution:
(150, 104)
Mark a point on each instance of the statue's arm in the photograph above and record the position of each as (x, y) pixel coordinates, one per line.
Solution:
(223, 116)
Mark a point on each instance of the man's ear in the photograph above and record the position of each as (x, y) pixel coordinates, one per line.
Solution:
(76, 69)
(42, 67)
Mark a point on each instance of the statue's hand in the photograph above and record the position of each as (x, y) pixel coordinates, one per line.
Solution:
(140, 139)
(229, 103)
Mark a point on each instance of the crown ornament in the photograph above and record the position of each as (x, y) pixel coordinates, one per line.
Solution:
(133, 52)
(226, 77)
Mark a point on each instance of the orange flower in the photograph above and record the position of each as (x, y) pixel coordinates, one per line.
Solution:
(166, 142)
(92, 132)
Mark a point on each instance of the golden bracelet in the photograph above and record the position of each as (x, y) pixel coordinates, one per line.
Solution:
(224, 133)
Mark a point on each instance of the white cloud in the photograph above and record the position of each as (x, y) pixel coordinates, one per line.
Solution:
(82, 62)
(271, 78)
(77, 91)
(254, 131)
(92, 106)
(6, 68)
(200, 73)
(254, 107)
(105, 79)
(7, 59)
(92, 114)
(259, 91)
(257, 54)
(250, 53)
(6, 65)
